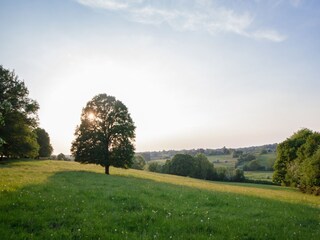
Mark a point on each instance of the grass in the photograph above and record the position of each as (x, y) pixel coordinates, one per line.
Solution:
(259, 175)
(67, 200)
(223, 161)
(266, 160)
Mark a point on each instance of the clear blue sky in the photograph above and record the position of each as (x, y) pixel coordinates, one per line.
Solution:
(193, 73)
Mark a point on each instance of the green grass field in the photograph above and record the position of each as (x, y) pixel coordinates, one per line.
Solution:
(67, 200)
(223, 161)
(266, 160)
(259, 175)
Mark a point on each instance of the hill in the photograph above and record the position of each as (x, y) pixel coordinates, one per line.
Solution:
(166, 154)
(67, 200)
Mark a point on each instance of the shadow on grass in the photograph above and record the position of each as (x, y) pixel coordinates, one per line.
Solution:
(83, 204)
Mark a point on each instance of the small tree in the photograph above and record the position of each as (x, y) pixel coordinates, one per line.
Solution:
(43, 140)
(61, 156)
(203, 168)
(138, 162)
(105, 135)
(155, 167)
(183, 165)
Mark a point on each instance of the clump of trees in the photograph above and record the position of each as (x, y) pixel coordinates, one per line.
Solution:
(253, 165)
(43, 139)
(197, 167)
(138, 162)
(105, 135)
(18, 119)
(298, 162)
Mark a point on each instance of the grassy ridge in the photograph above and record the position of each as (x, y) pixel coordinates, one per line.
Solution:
(66, 200)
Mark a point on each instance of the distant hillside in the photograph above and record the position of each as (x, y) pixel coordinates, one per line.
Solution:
(166, 154)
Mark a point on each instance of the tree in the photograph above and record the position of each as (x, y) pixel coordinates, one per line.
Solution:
(43, 140)
(203, 168)
(20, 140)
(183, 165)
(298, 161)
(310, 174)
(18, 115)
(155, 167)
(287, 152)
(61, 156)
(105, 135)
(138, 162)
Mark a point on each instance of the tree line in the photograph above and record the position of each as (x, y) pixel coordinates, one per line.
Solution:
(197, 166)
(20, 135)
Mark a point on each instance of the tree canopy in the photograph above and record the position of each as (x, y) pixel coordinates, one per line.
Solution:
(197, 166)
(298, 161)
(138, 162)
(18, 117)
(43, 140)
(105, 135)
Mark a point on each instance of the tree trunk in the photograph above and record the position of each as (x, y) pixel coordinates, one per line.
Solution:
(106, 169)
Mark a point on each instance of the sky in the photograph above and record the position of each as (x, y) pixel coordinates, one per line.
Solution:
(193, 73)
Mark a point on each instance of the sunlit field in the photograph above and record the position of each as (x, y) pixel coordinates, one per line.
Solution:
(67, 200)
(259, 175)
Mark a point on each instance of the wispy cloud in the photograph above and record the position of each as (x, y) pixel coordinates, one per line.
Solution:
(269, 35)
(106, 4)
(200, 15)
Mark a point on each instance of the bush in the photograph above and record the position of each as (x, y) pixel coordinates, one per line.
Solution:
(253, 166)
(138, 163)
(155, 167)
(298, 162)
(310, 174)
(229, 175)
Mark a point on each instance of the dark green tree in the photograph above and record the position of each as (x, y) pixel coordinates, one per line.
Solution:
(183, 165)
(203, 168)
(138, 162)
(18, 117)
(105, 135)
(43, 140)
(155, 167)
(61, 156)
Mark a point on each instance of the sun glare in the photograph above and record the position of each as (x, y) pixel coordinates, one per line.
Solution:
(91, 116)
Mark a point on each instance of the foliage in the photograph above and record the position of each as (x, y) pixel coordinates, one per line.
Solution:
(138, 162)
(203, 168)
(61, 156)
(197, 167)
(243, 158)
(105, 135)
(43, 140)
(155, 167)
(182, 165)
(297, 161)
(253, 166)
(18, 117)
(310, 174)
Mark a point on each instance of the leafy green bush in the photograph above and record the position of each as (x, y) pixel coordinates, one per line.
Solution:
(298, 161)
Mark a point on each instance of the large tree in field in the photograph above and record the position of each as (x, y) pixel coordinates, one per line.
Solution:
(105, 135)
(18, 117)
(43, 140)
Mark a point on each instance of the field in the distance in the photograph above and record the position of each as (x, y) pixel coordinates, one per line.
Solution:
(67, 200)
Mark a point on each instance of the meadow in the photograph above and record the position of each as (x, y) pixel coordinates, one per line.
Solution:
(68, 200)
